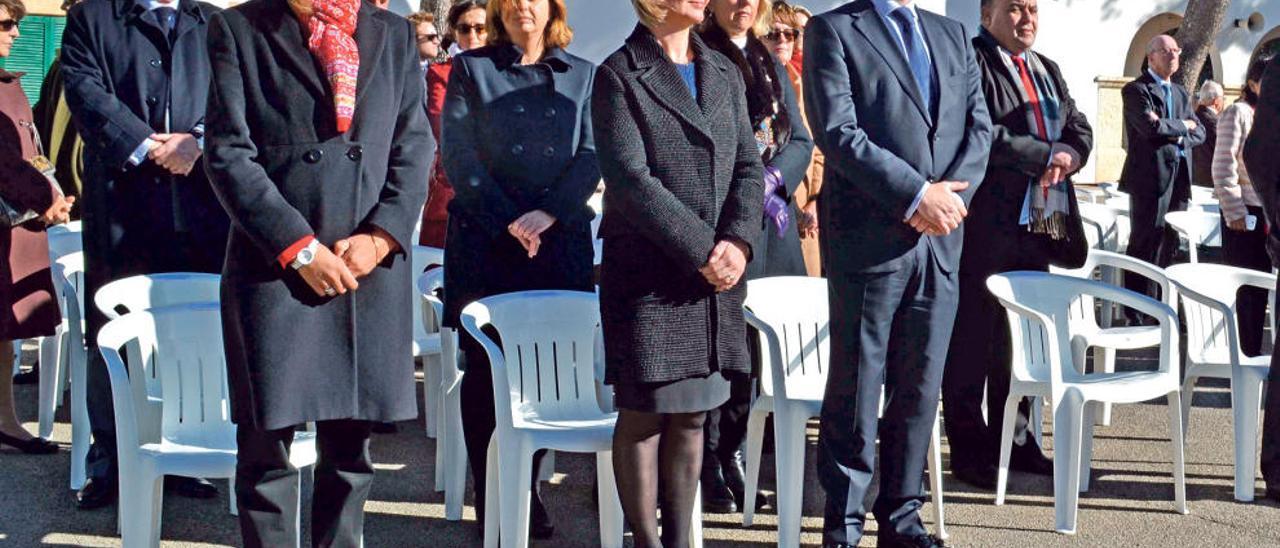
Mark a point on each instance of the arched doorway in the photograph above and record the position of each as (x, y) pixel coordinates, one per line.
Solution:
(1166, 23)
(1269, 45)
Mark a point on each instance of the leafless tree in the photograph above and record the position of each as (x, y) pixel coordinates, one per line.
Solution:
(1200, 25)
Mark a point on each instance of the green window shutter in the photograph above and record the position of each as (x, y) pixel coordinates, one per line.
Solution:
(34, 51)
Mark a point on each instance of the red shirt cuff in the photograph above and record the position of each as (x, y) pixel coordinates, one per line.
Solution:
(290, 253)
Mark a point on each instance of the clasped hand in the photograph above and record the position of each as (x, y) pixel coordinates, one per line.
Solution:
(528, 230)
(1063, 161)
(176, 152)
(725, 265)
(941, 210)
(350, 259)
(60, 211)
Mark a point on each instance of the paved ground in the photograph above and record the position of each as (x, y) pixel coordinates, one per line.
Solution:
(1130, 503)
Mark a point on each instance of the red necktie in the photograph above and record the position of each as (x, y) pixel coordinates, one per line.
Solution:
(1032, 96)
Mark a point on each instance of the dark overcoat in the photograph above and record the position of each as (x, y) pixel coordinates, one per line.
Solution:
(27, 307)
(1262, 154)
(679, 176)
(780, 255)
(120, 72)
(283, 172)
(517, 138)
(1154, 160)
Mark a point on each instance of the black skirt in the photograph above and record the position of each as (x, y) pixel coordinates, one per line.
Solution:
(691, 395)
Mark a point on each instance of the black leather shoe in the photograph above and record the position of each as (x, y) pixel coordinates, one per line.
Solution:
(918, 541)
(95, 494)
(982, 476)
(192, 488)
(30, 446)
(1273, 492)
(540, 526)
(735, 480)
(1028, 458)
(716, 496)
(30, 377)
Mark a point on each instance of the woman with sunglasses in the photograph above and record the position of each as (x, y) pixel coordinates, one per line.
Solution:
(785, 148)
(784, 41)
(466, 30)
(428, 39)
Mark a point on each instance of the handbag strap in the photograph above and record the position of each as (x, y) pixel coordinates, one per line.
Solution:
(35, 137)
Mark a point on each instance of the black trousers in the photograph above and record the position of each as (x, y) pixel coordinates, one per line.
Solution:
(1270, 459)
(980, 353)
(1150, 238)
(267, 485)
(1248, 249)
(188, 253)
(890, 330)
(726, 426)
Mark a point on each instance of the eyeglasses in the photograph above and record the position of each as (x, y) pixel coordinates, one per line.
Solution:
(778, 35)
(428, 38)
(470, 29)
(1166, 51)
(8, 25)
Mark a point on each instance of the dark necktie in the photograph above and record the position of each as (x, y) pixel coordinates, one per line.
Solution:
(168, 18)
(917, 56)
(1033, 96)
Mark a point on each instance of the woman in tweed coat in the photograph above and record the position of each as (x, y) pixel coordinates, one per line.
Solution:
(683, 199)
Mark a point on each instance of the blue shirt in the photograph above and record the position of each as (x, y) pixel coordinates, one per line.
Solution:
(689, 72)
(884, 8)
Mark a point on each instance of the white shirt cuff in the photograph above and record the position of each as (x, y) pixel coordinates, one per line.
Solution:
(915, 204)
(140, 154)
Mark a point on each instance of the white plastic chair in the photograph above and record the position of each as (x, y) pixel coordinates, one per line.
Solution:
(144, 292)
(63, 243)
(544, 398)
(1088, 332)
(1039, 311)
(791, 314)
(1213, 350)
(197, 438)
(426, 340)
(451, 449)
(63, 358)
(1196, 228)
(1104, 228)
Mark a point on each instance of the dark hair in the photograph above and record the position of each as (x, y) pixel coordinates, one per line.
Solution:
(1256, 68)
(15, 8)
(459, 9)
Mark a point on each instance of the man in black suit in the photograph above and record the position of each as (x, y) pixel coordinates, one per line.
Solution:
(1262, 158)
(1209, 105)
(137, 75)
(1161, 128)
(894, 97)
(1039, 140)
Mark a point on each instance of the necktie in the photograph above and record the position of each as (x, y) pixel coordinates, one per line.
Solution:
(168, 18)
(1032, 96)
(1168, 99)
(917, 56)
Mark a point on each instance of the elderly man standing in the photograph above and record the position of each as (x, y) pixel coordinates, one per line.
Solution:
(1262, 158)
(894, 97)
(1209, 105)
(1162, 129)
(1039, 140)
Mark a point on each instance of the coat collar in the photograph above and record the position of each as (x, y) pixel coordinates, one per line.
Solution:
(370, 34)
(508, 55)
(132, 12)
(283, 29)
(659, 75)
(867, 21)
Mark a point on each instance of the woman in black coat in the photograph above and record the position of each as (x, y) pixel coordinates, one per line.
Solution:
(682, 208)
(518, 148)
(785, 149)
(316, 290)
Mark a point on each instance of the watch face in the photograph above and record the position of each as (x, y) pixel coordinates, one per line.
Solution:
(306, 256)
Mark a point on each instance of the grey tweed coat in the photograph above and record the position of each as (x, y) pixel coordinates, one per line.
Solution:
(679, 176)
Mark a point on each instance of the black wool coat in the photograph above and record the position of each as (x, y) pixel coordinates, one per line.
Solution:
(679, 176)
(517, 139)
(1153, 162)
(283, 172)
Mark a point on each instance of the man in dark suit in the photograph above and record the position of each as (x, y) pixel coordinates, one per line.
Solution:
(1161, 129)
(1209, 105)
(1262, 158)
(137, 74)
(894, 98)
(1039, 140)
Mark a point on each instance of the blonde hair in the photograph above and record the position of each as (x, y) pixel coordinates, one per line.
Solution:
(764, 18)
(421, 17)
(651, 12)
(556, 35)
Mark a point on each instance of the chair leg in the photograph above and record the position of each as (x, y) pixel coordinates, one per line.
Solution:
(935, 477)
(1188, 393)
(231, 494)
(1006, 445)
(1177, 442)
(48, 383)
(547, 468)
(80, 430)
(431, 395)
(1104, 360)
(1068, 411)
(789, 441)
(695, 525)
(454, 455)
(1246, 400)
(1036, 416)
(513, 493)
(755, 446)
(140, 526)
(491, 502)
(1089, 415)
(608, 503)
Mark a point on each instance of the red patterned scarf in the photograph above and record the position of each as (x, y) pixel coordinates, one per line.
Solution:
(332, 26)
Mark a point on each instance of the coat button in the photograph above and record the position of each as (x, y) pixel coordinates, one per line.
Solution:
(153, 100)
(549, 152)
(550, 113)
(517, 150)
(313, 156)
(155, 63)
(518, 109)
(355, 153)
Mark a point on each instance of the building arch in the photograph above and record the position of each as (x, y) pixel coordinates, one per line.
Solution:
(1269, 44)
(1164, 23)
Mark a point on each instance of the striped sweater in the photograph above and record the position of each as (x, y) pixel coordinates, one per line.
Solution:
(1230, 179)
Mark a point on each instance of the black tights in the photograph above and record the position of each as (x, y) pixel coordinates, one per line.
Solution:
(652, 449)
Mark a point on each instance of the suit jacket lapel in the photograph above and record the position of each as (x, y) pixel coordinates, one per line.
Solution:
(872, 27)
(659, 76)
(284, 32)
(369, 38)
(710, 78)
(189, 17)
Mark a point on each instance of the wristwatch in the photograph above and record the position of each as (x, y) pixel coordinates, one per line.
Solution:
(306, 255)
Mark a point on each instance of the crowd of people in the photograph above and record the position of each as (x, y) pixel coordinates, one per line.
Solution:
(293, 145)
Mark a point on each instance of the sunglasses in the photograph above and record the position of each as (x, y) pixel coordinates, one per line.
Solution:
(778, 35)
(8, 25)
(469, 29)
(428, 38)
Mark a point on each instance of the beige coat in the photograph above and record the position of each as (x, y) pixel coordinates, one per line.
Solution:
(810, 188)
